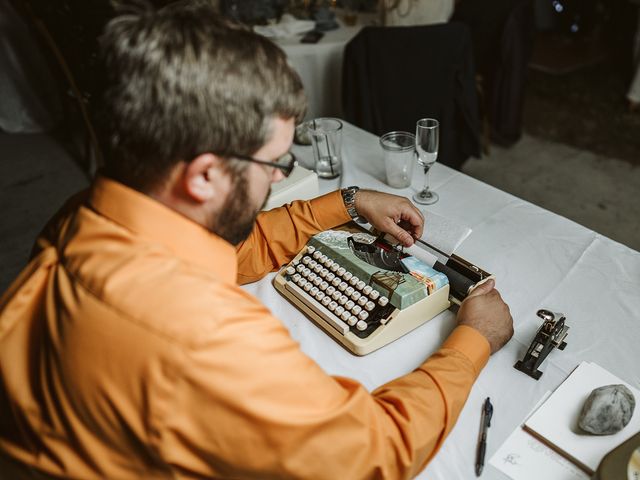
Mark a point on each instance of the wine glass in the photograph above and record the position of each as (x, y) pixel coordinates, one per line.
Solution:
(427, 137)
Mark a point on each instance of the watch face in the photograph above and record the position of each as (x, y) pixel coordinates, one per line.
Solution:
(348, 196)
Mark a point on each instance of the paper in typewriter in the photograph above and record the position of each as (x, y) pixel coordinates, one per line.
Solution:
(443, 233)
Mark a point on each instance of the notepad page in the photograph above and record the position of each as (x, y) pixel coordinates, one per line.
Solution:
(556, 421)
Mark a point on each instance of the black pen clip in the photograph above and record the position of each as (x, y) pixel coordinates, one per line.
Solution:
(488, 412)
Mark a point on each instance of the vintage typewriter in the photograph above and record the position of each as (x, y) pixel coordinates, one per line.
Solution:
(365, 291)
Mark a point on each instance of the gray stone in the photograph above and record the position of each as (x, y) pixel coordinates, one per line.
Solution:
(607, 410)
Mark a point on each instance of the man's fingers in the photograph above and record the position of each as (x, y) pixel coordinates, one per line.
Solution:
(412, 221)
(413, 217)
(483, 289)
(399, 233)
(391, 214)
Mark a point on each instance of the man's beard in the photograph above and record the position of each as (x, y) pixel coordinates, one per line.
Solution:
(237, 216)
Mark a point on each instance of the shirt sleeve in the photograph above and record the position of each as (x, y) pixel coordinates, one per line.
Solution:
(279, 234)
(252, 405)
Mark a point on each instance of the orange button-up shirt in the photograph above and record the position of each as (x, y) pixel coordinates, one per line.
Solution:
(127, 350)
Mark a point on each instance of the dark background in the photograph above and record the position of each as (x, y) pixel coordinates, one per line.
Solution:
(578, 76)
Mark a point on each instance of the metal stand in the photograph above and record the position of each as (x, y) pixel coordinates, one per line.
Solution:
(550, 335)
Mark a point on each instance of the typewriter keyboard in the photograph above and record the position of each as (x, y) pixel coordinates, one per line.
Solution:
(342, 299)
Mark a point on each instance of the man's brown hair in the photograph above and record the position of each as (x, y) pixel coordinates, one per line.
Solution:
(182, 81)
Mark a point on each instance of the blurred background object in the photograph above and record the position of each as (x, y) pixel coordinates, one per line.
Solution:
(253, 12)
(502, 32)
(390, 80)
(410, 12)
(29, 96)
(580, 76)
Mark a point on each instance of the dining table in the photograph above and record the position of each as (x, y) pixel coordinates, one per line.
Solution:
(540, 260)
(320, 65)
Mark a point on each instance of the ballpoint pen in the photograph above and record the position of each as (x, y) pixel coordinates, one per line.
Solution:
(487, 413)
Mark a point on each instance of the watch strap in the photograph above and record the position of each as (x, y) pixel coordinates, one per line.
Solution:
(349, 198)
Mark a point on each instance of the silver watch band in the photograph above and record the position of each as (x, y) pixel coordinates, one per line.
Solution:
(349, 198)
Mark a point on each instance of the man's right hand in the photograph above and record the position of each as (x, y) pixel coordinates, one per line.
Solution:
(485, 311)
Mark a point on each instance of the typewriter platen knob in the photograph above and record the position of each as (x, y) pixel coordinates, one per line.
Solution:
(546, 315)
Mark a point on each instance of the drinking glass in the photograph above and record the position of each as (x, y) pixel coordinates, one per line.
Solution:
(427, 137)
(399, 150)
(326, 143)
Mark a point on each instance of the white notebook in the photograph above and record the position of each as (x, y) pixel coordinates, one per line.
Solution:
(556, 421)
(302, 184)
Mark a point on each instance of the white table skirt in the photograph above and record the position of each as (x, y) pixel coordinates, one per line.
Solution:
(320, 68)
(540, 260)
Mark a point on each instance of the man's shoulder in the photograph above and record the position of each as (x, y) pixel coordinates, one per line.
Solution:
(143, 284)
(171, 299)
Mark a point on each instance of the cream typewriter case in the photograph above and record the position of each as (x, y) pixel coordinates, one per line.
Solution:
(361, 305)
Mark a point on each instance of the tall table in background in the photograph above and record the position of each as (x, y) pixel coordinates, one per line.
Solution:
(540, 260)
(320, 68)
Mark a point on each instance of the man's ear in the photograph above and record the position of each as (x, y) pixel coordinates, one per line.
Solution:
(202, 177)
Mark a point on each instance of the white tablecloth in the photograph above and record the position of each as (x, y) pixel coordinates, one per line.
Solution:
(540, 260)
(320, 68)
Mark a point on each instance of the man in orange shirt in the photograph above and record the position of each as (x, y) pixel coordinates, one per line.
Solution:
(127, 348)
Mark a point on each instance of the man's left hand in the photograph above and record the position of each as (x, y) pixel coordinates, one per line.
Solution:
(385, 212)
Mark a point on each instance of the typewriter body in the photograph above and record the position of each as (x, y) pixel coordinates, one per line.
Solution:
(366, 292)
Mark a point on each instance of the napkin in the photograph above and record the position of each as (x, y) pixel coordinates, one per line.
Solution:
(289, 26)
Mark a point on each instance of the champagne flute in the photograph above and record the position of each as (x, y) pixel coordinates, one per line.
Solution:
(427, 138)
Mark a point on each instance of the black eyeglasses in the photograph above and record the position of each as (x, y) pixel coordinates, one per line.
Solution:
(285, 163)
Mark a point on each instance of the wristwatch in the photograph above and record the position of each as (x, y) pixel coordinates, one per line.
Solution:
(349, 198)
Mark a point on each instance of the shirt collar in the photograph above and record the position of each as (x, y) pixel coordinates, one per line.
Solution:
(151, 219)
